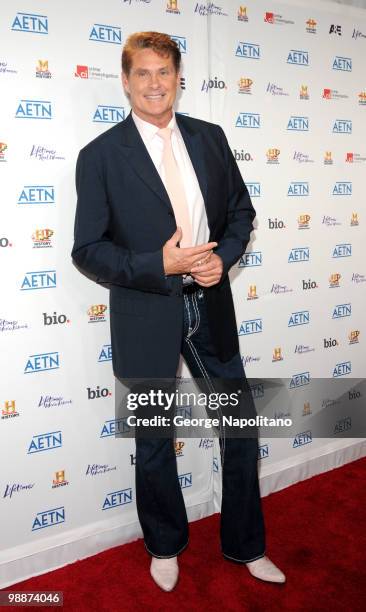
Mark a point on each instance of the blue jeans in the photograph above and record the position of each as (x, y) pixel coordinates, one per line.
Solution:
(160, 503)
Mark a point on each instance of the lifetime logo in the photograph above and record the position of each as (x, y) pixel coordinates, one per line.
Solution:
(109, 114)
(342, 250)
(254, 190)
(105, 353)
(30, 22)
(299, 380)
(248, 120)
(181, 42)
(302, 438)
(357, 33)
(49, 518)
(342, 63)
(115, 426)
(298, 254)
(42, 362)
(106, 34)
(301, 317)
(342, 369)
(342, 310)
(263, 451)
(250, 260)
(34, 109)
(298, 57)
(298, 189)
(185, 480)
(44, 442)
(298, 124)
(342, 188)
(117, 498)
(252, 326)
(45, 279)
(37, 194)
(342, 126)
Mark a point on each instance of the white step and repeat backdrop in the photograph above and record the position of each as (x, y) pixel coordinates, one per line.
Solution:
(289, 89)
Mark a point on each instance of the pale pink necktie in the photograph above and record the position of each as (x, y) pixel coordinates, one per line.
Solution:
(175, 188)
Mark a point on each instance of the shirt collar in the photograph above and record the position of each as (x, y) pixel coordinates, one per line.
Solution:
(149, 130)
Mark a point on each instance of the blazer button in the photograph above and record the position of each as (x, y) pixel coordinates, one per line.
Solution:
(171, 213)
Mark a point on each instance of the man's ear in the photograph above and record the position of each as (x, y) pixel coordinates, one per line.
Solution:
(124, 79)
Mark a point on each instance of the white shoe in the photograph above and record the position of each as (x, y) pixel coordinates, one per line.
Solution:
(264, 569)
(165, 572)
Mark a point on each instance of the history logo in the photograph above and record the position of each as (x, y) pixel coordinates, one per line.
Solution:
(42, 238)
(172, 7)
(273, 156)
(304, 92)
(9, 410)
(3, 147)
(242, 13)
(311, 26)
(96, 313)
(42, 71)
(328, 161)
(59, 480)
(244, 85)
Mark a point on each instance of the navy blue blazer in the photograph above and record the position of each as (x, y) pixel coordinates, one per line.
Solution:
(124, 217)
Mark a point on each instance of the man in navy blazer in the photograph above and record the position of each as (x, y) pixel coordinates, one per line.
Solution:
(166, 299)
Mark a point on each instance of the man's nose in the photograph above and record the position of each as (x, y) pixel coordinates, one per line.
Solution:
(155, 80)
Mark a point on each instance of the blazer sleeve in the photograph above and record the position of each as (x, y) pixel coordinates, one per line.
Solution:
(240, 214)
(94, 251)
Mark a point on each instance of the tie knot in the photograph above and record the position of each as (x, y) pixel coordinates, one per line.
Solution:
(165, 133)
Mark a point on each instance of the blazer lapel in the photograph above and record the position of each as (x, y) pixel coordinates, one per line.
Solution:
(133, 149)
(195, 148)
(136, 154)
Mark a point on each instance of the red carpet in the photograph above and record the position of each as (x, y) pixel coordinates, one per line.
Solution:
(316, 533)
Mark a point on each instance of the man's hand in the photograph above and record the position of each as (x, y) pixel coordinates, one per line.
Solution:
(181, 261)
(209, 273)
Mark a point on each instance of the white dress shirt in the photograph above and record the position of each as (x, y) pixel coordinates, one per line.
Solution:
(154, 144)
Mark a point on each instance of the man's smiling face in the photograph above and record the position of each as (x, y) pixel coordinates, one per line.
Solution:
(152, 85)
